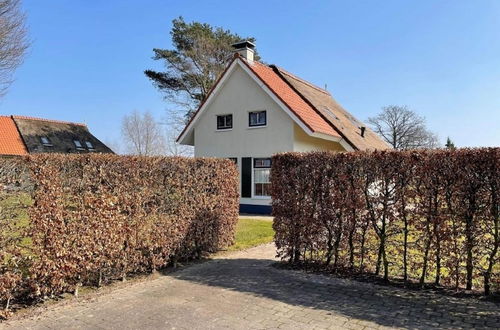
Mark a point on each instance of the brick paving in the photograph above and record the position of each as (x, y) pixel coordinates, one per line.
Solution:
(243, 290)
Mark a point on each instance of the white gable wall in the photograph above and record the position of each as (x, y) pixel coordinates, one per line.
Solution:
(239, 96)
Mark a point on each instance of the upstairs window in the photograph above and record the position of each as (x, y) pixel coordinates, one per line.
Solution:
(262, 182)
(78, 145)
(45, 141)
(89, 145)
(257, 118)
(224, 122)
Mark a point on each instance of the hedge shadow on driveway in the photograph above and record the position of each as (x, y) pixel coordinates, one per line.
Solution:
(384, 305)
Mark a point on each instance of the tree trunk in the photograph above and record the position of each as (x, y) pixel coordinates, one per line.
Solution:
(438, 255)
(296, 257)
(379, 257)
(437, 236)
(424, 267)
(351, 246)
(381, 250)
(337, 244)
(386, 265)
(363, 240)
(99, 280)
(329, 245)
(492, 256)
(405, 250)
(426, 253)
(381, 253)
(469, 246)
(449, 205)
(7, 305)
(77, 287)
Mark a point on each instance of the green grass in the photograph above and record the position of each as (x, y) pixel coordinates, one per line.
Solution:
(252, 232)
(14, 211)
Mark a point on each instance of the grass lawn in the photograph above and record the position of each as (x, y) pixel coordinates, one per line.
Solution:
(252, 232)
(14, 217)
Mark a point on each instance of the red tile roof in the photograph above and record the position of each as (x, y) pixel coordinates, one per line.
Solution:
(292, 100)
(313, 106)
(11, 142)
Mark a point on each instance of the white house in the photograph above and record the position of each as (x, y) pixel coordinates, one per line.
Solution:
(256, 110)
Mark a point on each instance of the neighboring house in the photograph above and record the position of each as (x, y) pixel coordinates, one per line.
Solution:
(26, 135)
(256, 110)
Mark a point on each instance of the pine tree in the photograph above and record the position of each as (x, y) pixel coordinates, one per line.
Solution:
(200, 54)
(449, 144)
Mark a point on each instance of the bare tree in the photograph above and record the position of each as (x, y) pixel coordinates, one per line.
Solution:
(403, 129)
(175, 123)
(142, 134)
(13, 41)
(114, 145)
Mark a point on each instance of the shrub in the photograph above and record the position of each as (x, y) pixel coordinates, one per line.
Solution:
(415, 215)
(94, 218)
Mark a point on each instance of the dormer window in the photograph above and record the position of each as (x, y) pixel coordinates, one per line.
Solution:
(224, 122)
(257, 118)
(89, 145)
(78, 145)
(45, 141)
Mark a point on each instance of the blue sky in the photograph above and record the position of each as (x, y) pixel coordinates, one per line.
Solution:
(441, 58)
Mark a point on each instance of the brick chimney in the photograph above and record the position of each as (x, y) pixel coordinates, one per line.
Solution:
(245, 49)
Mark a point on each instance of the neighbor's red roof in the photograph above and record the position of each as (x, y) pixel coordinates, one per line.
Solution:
(11, 142)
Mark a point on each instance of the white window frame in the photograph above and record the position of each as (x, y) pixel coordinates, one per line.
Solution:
(89, 145)
(253, 178)
(46, 144)
(80, 146)
(257, 126)
(217, 122)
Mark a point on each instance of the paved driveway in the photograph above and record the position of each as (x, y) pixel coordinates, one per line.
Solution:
(243, 291)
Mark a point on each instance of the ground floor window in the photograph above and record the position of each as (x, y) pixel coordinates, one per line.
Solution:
(261, 181)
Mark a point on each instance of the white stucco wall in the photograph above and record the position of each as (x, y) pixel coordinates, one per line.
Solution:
(240, 95)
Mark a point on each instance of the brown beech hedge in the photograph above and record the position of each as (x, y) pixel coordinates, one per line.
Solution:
(419, 216)
(73, 220)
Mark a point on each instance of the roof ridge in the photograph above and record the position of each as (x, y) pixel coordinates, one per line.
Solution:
(280, 69)
(48, 120)
(315, 108)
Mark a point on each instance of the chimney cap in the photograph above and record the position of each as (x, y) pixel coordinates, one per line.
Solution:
(243, 44)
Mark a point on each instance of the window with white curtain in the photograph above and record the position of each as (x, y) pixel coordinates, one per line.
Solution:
(261, 181)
